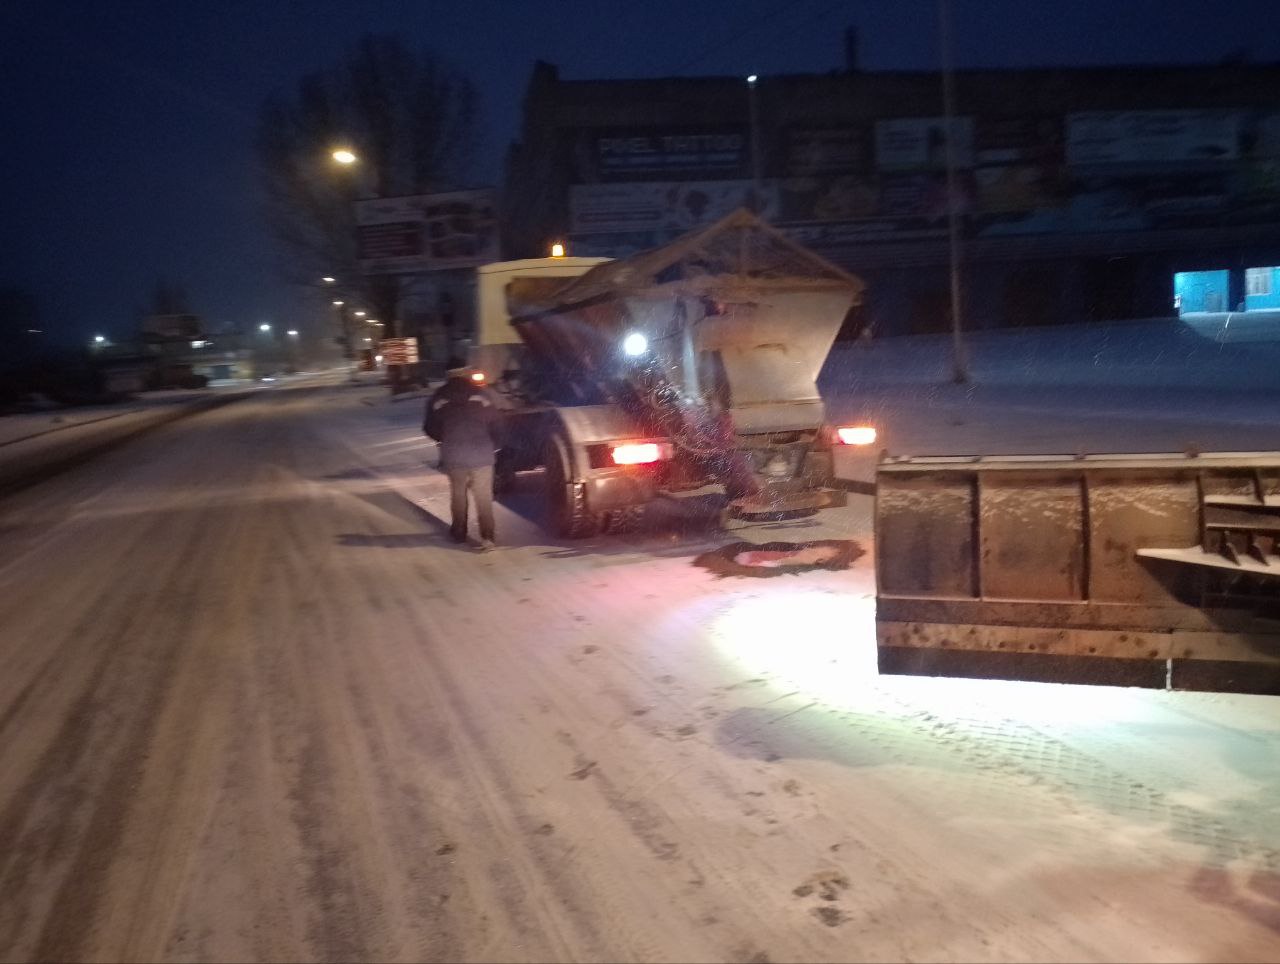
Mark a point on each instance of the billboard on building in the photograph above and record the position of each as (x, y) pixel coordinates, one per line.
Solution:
(1152, 137)
(920, 143)
(661, 206)
(667, 153)
(1019, 176)
(872, 206)
(427, 232)
(827, 150)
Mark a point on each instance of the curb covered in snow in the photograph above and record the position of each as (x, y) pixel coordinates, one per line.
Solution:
(32, 459)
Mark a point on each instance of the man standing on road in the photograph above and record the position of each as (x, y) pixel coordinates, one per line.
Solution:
(463, 417)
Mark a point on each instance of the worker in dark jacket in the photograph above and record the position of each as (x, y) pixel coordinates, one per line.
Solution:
(463, 417)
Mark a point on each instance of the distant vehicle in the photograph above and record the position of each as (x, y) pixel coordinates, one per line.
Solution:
(692, 366)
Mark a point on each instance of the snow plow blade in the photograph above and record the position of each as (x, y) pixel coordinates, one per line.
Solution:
(1160, 571)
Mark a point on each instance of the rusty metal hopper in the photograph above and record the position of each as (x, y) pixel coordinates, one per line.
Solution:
(1136, 570)
(736, 301)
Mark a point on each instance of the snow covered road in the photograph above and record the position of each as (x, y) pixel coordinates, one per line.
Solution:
(254, 706)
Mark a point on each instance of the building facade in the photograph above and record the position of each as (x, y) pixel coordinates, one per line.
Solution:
(1079, 194)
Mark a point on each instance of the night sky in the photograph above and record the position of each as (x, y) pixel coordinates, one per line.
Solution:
(128, 125)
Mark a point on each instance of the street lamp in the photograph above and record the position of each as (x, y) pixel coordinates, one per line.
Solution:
(264, 327)
(360, 314)
(99, 340)
(344, 155)
(754, 112)
(328, 280)
(338, 304)
(292, 332)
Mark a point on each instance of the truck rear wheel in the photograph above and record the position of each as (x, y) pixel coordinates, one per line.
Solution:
(567, 512)
(624, 520)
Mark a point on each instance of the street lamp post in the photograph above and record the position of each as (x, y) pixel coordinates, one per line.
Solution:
(753, 108)
(339, 307)
(385, 289)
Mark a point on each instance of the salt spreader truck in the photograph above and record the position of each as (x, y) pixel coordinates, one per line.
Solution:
(688, 368)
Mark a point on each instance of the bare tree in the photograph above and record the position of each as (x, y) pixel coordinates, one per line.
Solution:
(411, 119)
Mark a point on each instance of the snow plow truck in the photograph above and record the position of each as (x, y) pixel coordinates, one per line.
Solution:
(687, 368)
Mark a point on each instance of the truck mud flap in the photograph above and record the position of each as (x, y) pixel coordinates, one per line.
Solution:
(1132, 570)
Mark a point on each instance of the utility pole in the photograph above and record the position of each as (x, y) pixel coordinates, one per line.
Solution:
(959, 357)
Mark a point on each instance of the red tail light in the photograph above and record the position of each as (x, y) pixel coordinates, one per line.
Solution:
(636, 453)
(478, 377)
(857, 435)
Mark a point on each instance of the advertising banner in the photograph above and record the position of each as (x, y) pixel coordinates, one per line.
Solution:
(661, 206)
(1152, 137)
(624, 154)
(872, 206)
(1019, 176)
(427, 232)
(1150, 201)
(398, 351)
(1001, 141)
(920, 143)
(827, 150)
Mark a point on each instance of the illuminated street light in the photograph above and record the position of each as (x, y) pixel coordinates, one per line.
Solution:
(344, 156)
(292, 332)
(338, 304)
(264, 327)
(360, 314)
(753, 109)
(328, 280)
(99, 340)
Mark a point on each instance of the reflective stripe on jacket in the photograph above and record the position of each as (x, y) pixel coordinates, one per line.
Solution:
(464, 419)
